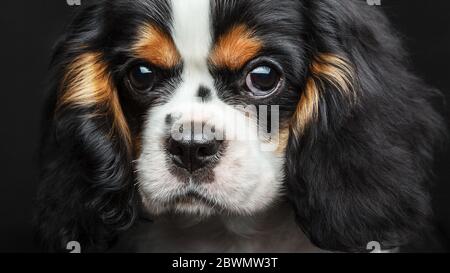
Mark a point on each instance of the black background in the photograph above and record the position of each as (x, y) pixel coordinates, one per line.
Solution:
(29, 30)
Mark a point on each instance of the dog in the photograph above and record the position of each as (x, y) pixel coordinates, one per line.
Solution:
(234, 126)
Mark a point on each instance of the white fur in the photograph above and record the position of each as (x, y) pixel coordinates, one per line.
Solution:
(247, 179)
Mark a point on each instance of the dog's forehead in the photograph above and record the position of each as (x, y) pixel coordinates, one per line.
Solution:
(226, 32)
(222, 12)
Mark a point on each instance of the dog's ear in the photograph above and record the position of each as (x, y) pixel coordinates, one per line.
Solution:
(86, 191)
(362, 138)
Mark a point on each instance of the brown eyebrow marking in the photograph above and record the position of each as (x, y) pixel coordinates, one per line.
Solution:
(87, 83)
(326, 68)
(157, 47)
(235, 48)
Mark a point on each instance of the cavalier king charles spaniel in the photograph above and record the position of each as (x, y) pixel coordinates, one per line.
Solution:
(234, 126)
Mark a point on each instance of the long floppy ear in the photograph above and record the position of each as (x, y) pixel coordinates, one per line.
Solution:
(86, 191)
(362, 138)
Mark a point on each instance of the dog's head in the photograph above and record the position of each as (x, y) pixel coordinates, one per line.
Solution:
(224, 107)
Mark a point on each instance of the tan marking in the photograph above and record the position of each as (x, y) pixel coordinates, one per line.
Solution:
(234, 49)
(336, 71)
(326, 68)
(283, 139)
(156, 47)
(87, 83)
(137, 146)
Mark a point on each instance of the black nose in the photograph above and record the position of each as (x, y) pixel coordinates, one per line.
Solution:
(193, 155)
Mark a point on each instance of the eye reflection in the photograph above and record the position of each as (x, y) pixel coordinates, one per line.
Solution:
(141, 77)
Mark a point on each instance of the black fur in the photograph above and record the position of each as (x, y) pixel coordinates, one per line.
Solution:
(358, 174)
(361, 173)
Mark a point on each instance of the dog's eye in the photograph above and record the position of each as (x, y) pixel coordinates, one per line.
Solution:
(263, 80)
(141, 77)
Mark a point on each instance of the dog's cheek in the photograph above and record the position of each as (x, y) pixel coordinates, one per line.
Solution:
(240, 181)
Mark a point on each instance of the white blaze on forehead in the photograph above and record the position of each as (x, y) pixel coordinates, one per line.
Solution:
(191, 32)
(192, 29)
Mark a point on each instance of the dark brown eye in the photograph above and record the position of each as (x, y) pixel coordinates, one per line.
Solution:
(263, 80)
(141, 77)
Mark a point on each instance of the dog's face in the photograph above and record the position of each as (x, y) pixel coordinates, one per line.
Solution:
(224, 106)
(207, 93)
(218, 89)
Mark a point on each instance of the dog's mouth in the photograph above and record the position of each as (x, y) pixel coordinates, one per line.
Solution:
(194, 198)
(191, 202)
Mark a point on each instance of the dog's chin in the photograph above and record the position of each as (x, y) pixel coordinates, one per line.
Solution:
(189, 205)
(195, 207)
(188, 202)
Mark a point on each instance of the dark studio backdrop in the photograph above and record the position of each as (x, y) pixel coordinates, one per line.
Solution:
(29, 29)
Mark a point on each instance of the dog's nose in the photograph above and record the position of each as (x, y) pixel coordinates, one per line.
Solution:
(193, 155)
